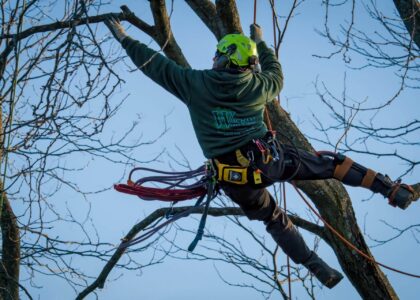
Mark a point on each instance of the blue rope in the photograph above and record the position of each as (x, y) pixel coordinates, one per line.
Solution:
(200, 232)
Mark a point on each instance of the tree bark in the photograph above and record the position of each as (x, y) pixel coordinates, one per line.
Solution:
(229, 17)
(206, 11)
(409, 11)
(10, 252)
(10, 260)
(163, 34)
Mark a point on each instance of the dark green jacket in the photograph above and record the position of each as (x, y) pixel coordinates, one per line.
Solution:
(226, 109)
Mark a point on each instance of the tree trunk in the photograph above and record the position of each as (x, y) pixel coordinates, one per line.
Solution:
(334, 204)
(10, 259)
(10, 252)
(409, 11)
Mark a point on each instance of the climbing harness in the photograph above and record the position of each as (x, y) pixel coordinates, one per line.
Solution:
(176, 189)
(246, 171)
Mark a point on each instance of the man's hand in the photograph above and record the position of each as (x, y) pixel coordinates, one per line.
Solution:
(256, 33)
(116, 28)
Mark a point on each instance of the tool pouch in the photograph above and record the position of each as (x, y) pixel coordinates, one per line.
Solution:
(232, 174)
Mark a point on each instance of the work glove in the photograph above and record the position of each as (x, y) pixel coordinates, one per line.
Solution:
(256, 33)
(116, 28)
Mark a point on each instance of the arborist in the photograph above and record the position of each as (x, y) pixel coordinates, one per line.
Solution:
(226, 106)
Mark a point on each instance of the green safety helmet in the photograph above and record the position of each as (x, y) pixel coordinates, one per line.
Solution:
(241, 50)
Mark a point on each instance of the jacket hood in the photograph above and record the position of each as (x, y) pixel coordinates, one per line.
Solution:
(224, 84)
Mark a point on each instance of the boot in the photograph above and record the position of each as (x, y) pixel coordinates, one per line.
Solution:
(402, 195)
(325, 274)
(398, 194)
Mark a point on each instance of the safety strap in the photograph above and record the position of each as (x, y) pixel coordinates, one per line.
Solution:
(368, 178)
(170, 219)
(395, 188)
(200, 231)
(343, 168)
(242, 160)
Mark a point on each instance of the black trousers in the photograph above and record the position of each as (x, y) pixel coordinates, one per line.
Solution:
(258, 204)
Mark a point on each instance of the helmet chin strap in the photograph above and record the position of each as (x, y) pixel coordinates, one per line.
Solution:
(221, 62)
(256, 68)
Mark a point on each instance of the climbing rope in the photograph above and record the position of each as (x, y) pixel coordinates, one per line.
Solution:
(289, 274)
(173, 188)
(270, 128)
(266, 114)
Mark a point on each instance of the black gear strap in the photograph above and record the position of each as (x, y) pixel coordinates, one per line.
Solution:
(342, 168)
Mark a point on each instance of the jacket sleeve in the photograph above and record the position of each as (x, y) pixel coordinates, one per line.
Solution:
(271, 75)
(165, 72)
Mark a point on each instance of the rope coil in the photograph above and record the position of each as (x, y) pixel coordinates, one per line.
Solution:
(175, 189)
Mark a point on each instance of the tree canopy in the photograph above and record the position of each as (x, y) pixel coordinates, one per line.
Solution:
(63, 88)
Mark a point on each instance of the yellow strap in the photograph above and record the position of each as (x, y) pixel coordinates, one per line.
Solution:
(244, 162)
(257, 177)
(342, 169)
(219, 167)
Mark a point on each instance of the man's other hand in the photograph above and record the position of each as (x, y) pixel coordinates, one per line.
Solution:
(256, 33)
(116, 28)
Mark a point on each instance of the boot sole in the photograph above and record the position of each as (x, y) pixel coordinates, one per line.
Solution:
(333, 281)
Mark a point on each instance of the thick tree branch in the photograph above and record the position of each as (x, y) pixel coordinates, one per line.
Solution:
(206, 11)
(163, 33)
(311, 227)
(229, 16)
(100, 281)
(74, 23)
(159, 213)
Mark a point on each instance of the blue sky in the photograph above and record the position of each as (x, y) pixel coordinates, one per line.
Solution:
(114, 214)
